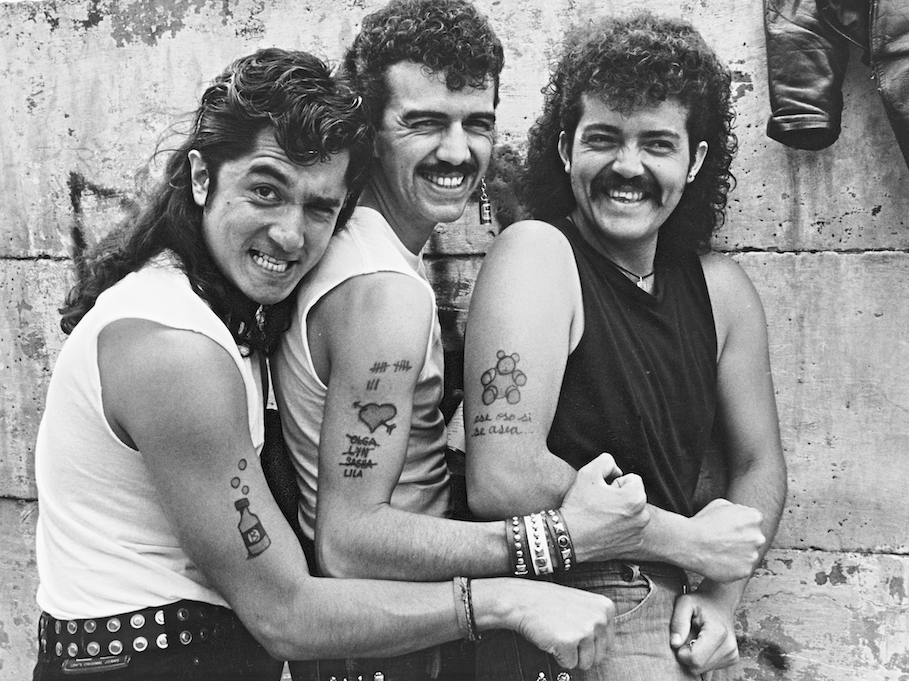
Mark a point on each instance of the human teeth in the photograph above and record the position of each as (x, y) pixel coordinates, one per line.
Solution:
(626, 195)
(266, 262)
(446, 181)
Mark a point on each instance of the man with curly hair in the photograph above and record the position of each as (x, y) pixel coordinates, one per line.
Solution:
(634, 339)
(359, 375)
(161, 553)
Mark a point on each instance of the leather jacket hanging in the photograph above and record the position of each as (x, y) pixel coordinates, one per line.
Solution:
(807, 54)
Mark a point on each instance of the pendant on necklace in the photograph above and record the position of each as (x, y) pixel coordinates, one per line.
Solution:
(641, 284)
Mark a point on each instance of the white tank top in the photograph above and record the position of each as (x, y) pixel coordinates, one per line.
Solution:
(104, 544)
(366, 245)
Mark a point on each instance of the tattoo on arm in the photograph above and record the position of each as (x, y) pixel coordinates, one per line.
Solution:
(504, 380)
(375, 415)
(502, 424)
(358, 457)
(254, 535)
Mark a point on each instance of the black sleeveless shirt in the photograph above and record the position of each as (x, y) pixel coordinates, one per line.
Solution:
(641, 384)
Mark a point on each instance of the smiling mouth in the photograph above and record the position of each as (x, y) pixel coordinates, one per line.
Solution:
(270, 264)
(444, 181)
(625, 195)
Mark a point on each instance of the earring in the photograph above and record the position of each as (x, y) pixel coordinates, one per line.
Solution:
(691, 177)
(485, 205)
(567, 167)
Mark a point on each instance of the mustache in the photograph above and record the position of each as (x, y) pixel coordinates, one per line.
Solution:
(443, 168)
(607, 180)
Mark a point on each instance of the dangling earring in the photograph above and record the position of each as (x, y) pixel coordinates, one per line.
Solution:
(485, 206)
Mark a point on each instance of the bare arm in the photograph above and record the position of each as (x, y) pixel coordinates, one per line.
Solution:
(525, 319)
(757, 469)
(373, 330)
(179, 398)
(521, 306)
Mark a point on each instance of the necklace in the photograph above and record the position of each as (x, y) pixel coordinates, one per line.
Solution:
(640, 277)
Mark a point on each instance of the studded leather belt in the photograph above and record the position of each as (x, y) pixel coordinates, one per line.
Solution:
(109, 641)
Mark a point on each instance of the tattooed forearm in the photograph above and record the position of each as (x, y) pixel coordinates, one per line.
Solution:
(503, 381)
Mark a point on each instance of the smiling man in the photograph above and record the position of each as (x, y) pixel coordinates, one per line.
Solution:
(632, 338)
(359, 375)
(161, 552)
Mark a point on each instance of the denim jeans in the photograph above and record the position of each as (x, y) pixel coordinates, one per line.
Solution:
(449, 662)
(644, 598)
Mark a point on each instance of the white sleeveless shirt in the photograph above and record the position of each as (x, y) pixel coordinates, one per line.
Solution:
(104, 543)
(366, 245)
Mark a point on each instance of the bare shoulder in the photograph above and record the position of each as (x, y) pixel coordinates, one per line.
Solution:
(370, 312)
(153, 374)
(532, 256)
(145, 351)
(737, 307)
(532, 237)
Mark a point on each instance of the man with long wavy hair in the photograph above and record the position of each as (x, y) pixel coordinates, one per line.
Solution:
(161, 552)
(634, 339)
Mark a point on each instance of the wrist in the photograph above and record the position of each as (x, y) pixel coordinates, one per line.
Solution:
(675, 539)
(725, 596)
(496, 603)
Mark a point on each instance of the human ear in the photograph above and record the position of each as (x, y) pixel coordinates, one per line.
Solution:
(700, 153)
(565, 151)
(199, 178)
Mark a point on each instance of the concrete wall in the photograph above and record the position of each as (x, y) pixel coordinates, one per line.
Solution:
(87, 86)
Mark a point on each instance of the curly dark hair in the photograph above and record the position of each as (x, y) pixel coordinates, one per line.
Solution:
(313, 115)
(449, 37)
(631, 63)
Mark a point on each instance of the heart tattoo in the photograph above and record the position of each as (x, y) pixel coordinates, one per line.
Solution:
(375, 415)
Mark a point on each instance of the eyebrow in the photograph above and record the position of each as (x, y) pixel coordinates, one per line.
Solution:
(649, 134)
(429, 113)
(279, 176)
(269, 170)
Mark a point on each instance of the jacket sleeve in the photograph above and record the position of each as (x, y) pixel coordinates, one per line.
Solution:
(806, 64)
(890, 60)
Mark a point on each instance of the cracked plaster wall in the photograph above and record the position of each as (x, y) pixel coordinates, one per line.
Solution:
(86, 88)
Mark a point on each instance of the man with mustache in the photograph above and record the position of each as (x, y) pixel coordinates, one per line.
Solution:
(631, 337)
(359, 375)
(161, 552)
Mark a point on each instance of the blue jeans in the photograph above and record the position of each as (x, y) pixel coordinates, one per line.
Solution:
(449, 662)
(644, 598)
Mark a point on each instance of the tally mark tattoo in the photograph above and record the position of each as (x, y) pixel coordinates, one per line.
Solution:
(503, 380)
(375, 415)
(254, 535)
(382, 367)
